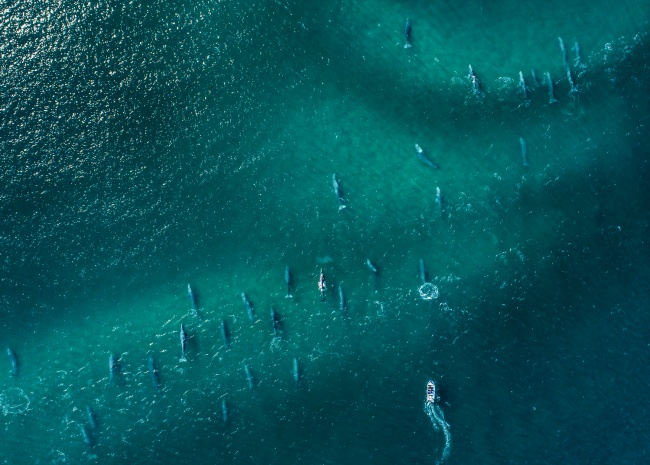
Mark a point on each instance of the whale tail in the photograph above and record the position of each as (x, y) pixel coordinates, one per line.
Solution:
(341, 207)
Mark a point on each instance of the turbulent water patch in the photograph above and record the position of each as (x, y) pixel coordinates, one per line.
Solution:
(14, 401)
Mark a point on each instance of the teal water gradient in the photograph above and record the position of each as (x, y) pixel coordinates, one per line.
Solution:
(145, 147)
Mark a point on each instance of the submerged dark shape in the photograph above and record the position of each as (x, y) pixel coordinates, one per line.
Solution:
(249, 377)
(296, 371)
(534, 77)
(576, 49)
(193, 300)
(407, 33)
(14, 361)
(424, 159)
(337, 192)
(249, 306)
(92, 418)
(287, 278)
(153, 372)
(225, 334)
(113, 367)
(224, 410)
(564, 57)
(476, 85)
(423, 271)
(573, 89)
(522, 85)
(372, 267)
(322, 286)
(274, 321)
(524, 152)
(342, 301)
(440, 201)
(183, 343)
(85, 434)
(549, 83)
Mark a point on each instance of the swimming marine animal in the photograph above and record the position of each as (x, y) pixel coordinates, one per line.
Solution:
(153, 372)
(224, 410)
(183, 343)
(192, 297)
(439, 201)
(322, 286)
(573, 87)
(534, 77)
(113, 367)
(14, 361)
(249, 377)
(92, 418)
(337, 192)
(249, 306)
(524, 152)
(225, 334)
(474, 80)
(522, 85)
(564, 58)
(86, 436)
(424, 159)
(407, 33)
(287, 278)
(549, 83)
(274, 321)
(423, 271)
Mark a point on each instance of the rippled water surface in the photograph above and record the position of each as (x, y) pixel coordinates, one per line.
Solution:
(145, 147)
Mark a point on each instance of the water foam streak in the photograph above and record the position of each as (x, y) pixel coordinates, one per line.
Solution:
(438, 422)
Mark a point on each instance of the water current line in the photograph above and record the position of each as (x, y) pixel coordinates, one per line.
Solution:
(438, 422)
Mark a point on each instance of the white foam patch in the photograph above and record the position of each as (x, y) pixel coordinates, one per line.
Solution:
(428, 291)
(13, 401)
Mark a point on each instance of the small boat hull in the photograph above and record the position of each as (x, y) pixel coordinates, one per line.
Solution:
(431, 392)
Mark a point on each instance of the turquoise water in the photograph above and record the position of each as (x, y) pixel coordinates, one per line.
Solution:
(145, 147)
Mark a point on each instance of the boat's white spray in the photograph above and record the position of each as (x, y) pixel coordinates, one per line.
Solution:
(438, 422)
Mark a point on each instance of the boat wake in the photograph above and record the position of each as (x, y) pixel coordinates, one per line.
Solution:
(438, 422)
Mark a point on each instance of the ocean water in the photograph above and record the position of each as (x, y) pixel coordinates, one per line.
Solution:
(145, 146)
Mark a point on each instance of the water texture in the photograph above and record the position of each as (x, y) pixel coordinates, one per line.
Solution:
(148, 147)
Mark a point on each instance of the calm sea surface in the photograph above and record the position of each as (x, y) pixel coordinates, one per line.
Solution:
(145, 146)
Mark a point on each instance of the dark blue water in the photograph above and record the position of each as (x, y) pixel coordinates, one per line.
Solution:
(145, 147)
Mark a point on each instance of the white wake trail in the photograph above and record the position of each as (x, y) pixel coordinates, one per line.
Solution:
(438, 422)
